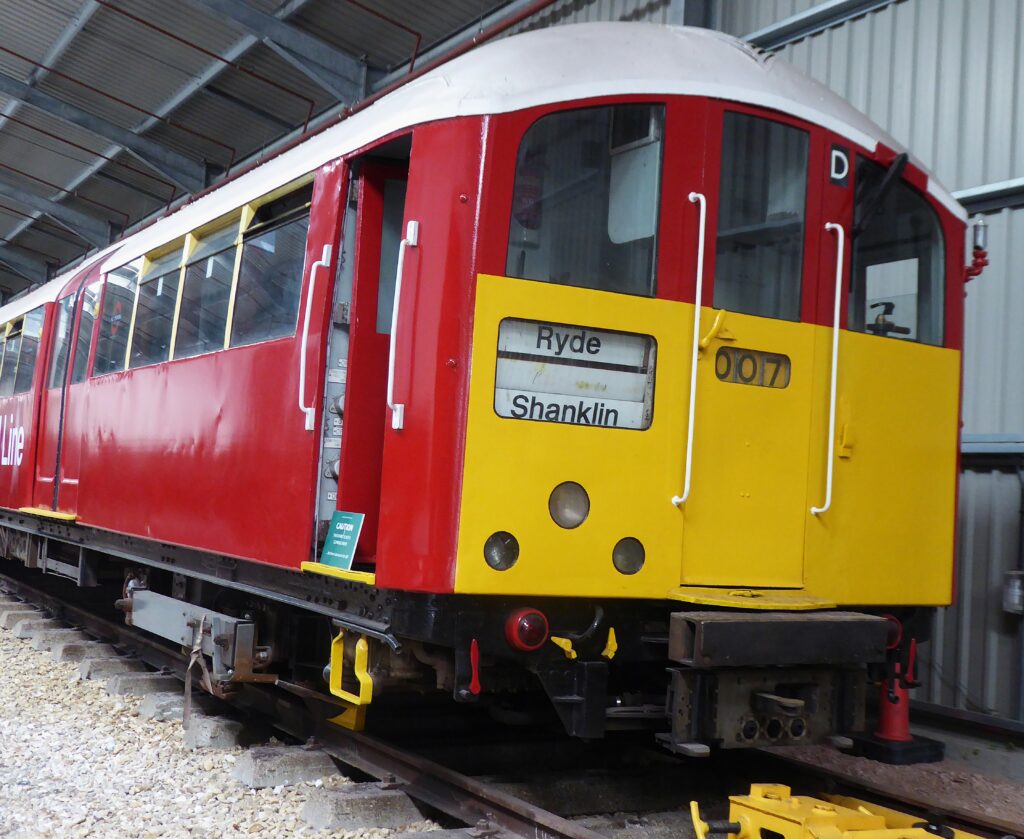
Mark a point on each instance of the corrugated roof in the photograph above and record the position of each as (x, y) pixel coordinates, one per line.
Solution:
(103, 58)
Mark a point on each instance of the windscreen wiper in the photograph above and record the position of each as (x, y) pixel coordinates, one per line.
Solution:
(867, 209)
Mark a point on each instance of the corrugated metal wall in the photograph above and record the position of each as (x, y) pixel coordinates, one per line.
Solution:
(944, 78)
(974, 659)
(994, 337)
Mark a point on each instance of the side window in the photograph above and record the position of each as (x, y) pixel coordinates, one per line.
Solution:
(896, 288)
(154, 313)
(115, 317)
(203, 316)
(30, 335)
(83, 340)
(761, 217)
(9, 365)
(270, 273)
(586, 198)
(62, 340)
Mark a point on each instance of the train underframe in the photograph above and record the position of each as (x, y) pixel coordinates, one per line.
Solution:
(694, 678)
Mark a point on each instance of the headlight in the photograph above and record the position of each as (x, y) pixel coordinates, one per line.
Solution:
(569, 505)
(628, 555)
(501, 550)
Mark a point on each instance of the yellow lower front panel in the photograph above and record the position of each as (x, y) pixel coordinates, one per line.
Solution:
(759, 461)
(888, 537)
(512, 465)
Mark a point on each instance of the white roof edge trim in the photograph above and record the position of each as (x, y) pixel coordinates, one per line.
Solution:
(555, 65)
(48, 291)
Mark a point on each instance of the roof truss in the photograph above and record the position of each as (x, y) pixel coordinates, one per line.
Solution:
(336, 71)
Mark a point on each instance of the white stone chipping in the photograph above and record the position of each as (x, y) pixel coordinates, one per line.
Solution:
(76, 762)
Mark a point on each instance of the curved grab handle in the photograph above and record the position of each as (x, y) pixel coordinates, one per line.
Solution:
(411, 240)
(840, 245)
(695, 198)
(308, 410)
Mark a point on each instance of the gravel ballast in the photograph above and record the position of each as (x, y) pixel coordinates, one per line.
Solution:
(77, 762)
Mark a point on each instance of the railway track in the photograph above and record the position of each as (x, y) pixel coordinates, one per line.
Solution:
(484, 806)
(478, 805)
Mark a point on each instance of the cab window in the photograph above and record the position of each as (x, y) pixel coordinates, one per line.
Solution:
(586, 197)
(896, 288)
(270, 273)
(761, 217)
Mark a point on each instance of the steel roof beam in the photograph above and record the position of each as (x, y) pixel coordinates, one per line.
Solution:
(94, 230)
(336, 71)
(183, 95)
(183, 170)
(32, 269)
(809, 22)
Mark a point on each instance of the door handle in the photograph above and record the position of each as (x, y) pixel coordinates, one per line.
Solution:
(829, 472)
(411, 240)
(308, 410)
(695, 198)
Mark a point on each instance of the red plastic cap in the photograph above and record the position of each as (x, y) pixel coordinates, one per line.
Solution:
(526, 630)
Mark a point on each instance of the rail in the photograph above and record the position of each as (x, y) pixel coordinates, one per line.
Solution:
(297, 712)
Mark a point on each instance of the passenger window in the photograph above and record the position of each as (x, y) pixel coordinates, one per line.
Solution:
(9, 365)
(761, 217)
(62, 340)
(586, 198)
(115, 317)
(83, 340)
(154, 314)
(896, 288)
(203, 316)
(270, 273)
(30, 336)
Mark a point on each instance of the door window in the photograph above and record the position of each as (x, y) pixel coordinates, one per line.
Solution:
(896, 290)
(83, 342)
(586, 197)
(62, 340)
(761, 217)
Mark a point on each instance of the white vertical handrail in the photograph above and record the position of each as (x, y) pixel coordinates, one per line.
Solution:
(308, 410)
(695, 198)
(411, 240)
(840, 246)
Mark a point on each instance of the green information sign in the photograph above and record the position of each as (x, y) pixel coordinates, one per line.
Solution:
(340, 545)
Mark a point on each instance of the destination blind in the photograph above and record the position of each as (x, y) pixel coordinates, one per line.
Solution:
(551, 372)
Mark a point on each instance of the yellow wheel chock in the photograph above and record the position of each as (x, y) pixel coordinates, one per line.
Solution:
(353, 717)
(771, 810)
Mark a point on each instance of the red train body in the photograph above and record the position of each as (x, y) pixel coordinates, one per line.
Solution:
(219, 457)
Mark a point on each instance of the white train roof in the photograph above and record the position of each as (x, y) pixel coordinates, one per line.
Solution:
(541, 67)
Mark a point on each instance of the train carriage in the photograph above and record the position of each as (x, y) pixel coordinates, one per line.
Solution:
(635, 352)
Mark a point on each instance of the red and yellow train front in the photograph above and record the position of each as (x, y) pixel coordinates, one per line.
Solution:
(620, 446)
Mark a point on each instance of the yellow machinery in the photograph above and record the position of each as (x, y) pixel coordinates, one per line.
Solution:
(771, 812)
